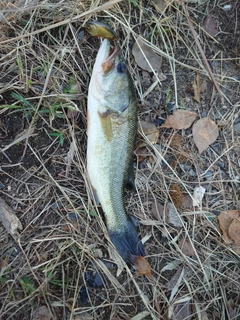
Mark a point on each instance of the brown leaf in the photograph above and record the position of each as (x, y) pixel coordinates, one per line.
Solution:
(176, 141)
(142, 265)
(225, 219)
(152, 60)
(181, 119)
(234, 231)
(197, 88)
(205, 132)
(3, 263)
(186, 247)
(177, 196)
(149, 130)
(209, 26)
(141, 153)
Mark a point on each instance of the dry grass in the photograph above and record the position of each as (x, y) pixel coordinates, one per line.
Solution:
(46, 60)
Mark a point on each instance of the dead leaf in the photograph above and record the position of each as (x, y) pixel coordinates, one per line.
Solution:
(197, 88)
(209, 26)
(176, 194)
(157, 210)
(182, 310)
(71, 227)
(142, 154)
(142, 265)
(180, 119)
(186, 247)
(9, 220)
(173, 216)
(198, 195)
(3, 263)
(232, 309)
(42, 313)
(149, 130)
(234, 231)
(161, 5)
(205, 132)
(173, 265)
(225, 219)
(176, 141)
(175, 281)
(145, 57)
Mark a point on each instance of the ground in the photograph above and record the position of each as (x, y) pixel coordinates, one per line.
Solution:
(61, 265)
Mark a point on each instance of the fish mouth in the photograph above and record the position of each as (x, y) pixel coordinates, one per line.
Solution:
(110, 61)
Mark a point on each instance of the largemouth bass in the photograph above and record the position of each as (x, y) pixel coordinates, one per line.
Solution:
(112, 126)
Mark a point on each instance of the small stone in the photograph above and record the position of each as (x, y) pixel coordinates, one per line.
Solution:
(237, 125)
(15, 252)
(55, 205)
(80, 35)
(192, 173)
(227, 7)
(208, 175)
(72, 216)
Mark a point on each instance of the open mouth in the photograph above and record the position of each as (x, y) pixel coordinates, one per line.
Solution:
(109, 62)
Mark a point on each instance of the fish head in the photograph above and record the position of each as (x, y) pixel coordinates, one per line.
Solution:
(111, 84)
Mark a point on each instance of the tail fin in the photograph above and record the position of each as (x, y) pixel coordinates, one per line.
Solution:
(126, 241)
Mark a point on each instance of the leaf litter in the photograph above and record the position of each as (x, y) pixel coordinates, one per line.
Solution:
(148, 130)
(210, 26)
(229, 223)
(145, 57)
(197, 88)
(205, 132)
(181, 119)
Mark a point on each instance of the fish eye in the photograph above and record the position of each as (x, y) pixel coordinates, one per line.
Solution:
(121, 67)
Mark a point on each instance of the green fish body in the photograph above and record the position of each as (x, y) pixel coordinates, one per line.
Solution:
(112, 126)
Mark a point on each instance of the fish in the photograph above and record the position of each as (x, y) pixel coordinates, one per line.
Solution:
(100, 29)
(111, 130)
